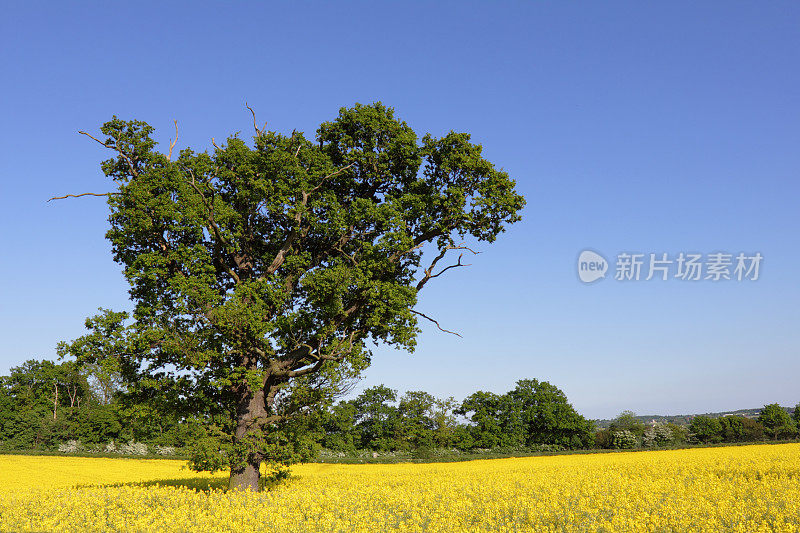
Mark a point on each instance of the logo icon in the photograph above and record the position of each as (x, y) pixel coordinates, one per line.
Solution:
(591, 266)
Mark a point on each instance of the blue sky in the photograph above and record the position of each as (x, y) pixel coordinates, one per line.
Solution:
(628, 126)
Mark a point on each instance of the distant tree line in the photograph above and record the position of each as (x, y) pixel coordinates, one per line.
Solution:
(44, 404)
(774, 423)
(628, 431)
(534, 415)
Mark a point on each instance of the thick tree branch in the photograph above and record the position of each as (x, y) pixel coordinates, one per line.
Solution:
(298, 365)
(304, 371)
(280, 257)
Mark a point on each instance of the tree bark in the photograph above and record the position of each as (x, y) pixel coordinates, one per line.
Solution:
(251, 408)
(246, 478)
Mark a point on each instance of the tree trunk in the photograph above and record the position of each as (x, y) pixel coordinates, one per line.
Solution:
(246, 478)
(251, 408)
(73, 393)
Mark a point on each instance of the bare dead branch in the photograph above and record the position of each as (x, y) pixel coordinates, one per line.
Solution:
(255, 125)
(82, 194)
(300, 366)
(94, 138)
(430, 268)
(116, 148)
(462, 247)
(429, 275)
(215, 144)
(435, 322)
(172, 144)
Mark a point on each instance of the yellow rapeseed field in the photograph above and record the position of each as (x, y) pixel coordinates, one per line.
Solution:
(748, 489)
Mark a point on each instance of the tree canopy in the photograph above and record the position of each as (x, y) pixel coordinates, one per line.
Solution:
(776, 419)
(533, 413)
(262, 272)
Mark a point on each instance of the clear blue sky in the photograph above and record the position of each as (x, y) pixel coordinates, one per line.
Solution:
(651, 127)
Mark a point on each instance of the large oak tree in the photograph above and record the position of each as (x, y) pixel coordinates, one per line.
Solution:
(262, 271)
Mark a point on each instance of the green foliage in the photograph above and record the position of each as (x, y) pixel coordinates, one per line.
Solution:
(377, 418)
(423, 453)
(445, 423)
(604, 439)
(339, 427)
(37, 400)
(547, 417)
(44, 404)
(740, 429)
(534, 413)
(415, 413)
(494, 424)
(95, 425)
(680, 434)
(292, 441)
(416, 426)
(706, 429)
(101, 353)
(257, 264)
(627, 421)
(777, 421)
